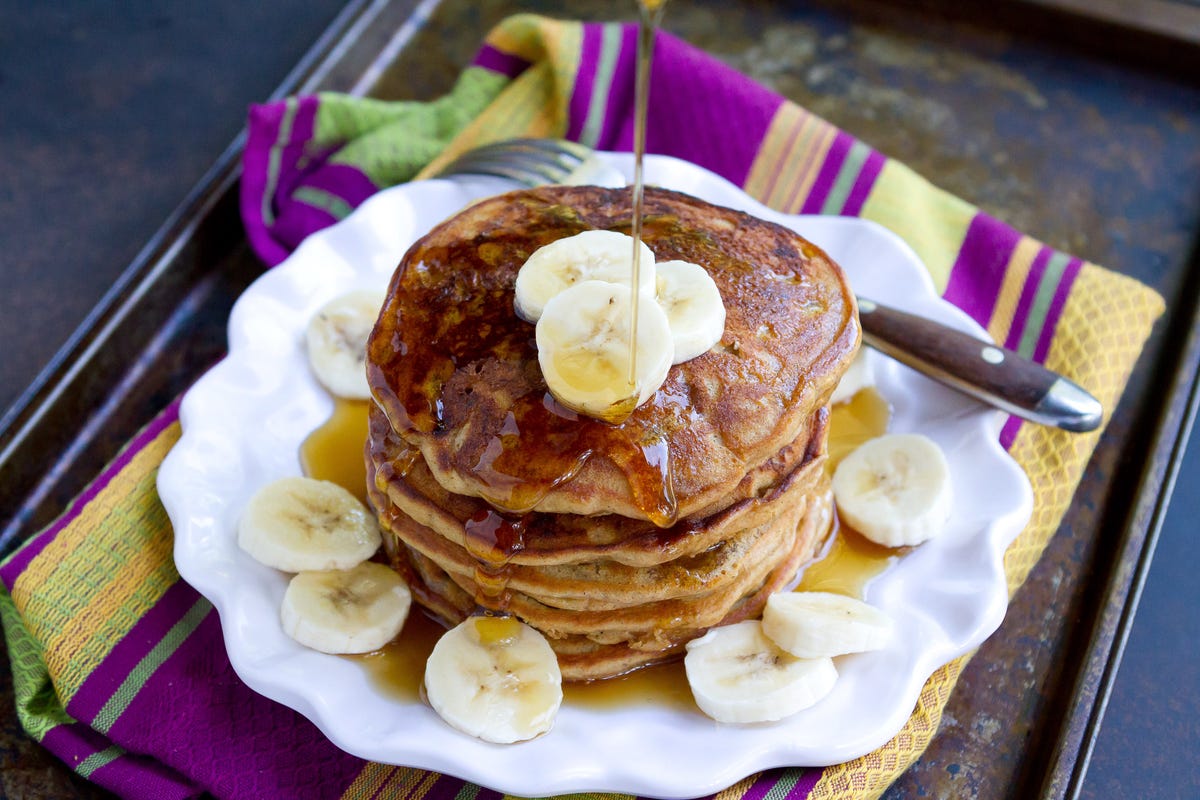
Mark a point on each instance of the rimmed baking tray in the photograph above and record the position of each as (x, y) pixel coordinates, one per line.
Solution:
(1025, 714)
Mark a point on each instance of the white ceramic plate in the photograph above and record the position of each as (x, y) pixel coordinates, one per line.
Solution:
(244, 421)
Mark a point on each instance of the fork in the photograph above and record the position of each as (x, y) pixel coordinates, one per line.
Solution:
(537, 162)
(979, 368)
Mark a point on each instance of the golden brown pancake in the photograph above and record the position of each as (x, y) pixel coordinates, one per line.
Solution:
(456, 373)
(619, 542)
(605, 585)
(604, 653)
(400, 478)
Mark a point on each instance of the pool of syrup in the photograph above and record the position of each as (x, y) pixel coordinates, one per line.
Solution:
(334, 451)
(849, 562)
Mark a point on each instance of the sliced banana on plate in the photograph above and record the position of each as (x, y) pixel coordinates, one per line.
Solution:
(355, 610)
(583, 348)
(737, 674)
(494, 678)
(895, 489)
(301, 524)
(591, 255)
(337, 342)
(692, 302)
(816, 624)
(858, 376)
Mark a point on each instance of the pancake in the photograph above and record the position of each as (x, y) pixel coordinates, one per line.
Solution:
(620, 543)
(604, 585)
(605, 652)
(399, 478)
(455, 370)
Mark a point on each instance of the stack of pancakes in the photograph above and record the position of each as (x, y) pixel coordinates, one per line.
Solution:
(619, 542)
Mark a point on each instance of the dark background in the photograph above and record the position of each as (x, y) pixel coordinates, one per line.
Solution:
(111, 112)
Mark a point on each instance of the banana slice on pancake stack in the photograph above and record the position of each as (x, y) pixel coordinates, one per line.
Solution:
(577, 291)
(588, 256)
(583, 348)
(692, 303)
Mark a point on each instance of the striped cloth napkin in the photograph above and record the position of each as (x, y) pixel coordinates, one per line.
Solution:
(119, 667)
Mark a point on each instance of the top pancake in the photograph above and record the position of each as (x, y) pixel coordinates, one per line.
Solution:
(456, 371)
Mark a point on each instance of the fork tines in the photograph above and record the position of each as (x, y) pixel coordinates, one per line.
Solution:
(529, 161)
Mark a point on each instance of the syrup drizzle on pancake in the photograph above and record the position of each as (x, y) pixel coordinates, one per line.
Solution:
(492, 539)
(514, 482)
(648, 22)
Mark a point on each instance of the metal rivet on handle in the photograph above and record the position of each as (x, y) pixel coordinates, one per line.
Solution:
(992, 355)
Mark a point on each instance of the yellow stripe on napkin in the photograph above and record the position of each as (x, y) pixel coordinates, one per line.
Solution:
(933, 222)
(121, 576)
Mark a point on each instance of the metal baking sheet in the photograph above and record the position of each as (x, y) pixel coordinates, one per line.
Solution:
(1026, 710)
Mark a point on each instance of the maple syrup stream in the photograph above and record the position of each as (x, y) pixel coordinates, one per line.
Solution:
(649, 18)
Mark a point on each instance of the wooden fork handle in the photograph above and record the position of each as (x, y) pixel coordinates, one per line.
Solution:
(979, 368)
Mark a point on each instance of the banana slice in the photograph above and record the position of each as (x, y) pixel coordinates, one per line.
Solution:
(591, 255)
(337, 342)
(583, 349)
(689, 296)
(356, 610)
(858, 376)
(817, 624)
(494, 678)
(737, 674)
(300, 524)
(895, 489)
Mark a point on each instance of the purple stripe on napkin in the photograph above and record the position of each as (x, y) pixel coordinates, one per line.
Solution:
(978, 272)
(1028, 292)
(296, 220)
(864, 184)
(697, 90)
(842, 143)
(1008, 434)
(622, 100)
(1070, 272)
(109, 766)
(147, 632)
(692, 91)
(765, 783)
(224, 735)
(806, 784)
(585, 80)
(496, 60)
(275, 142)
(75, 742)
(142, 778)
(343, 181)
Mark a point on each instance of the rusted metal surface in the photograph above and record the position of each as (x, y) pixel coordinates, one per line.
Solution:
(1092, 156)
